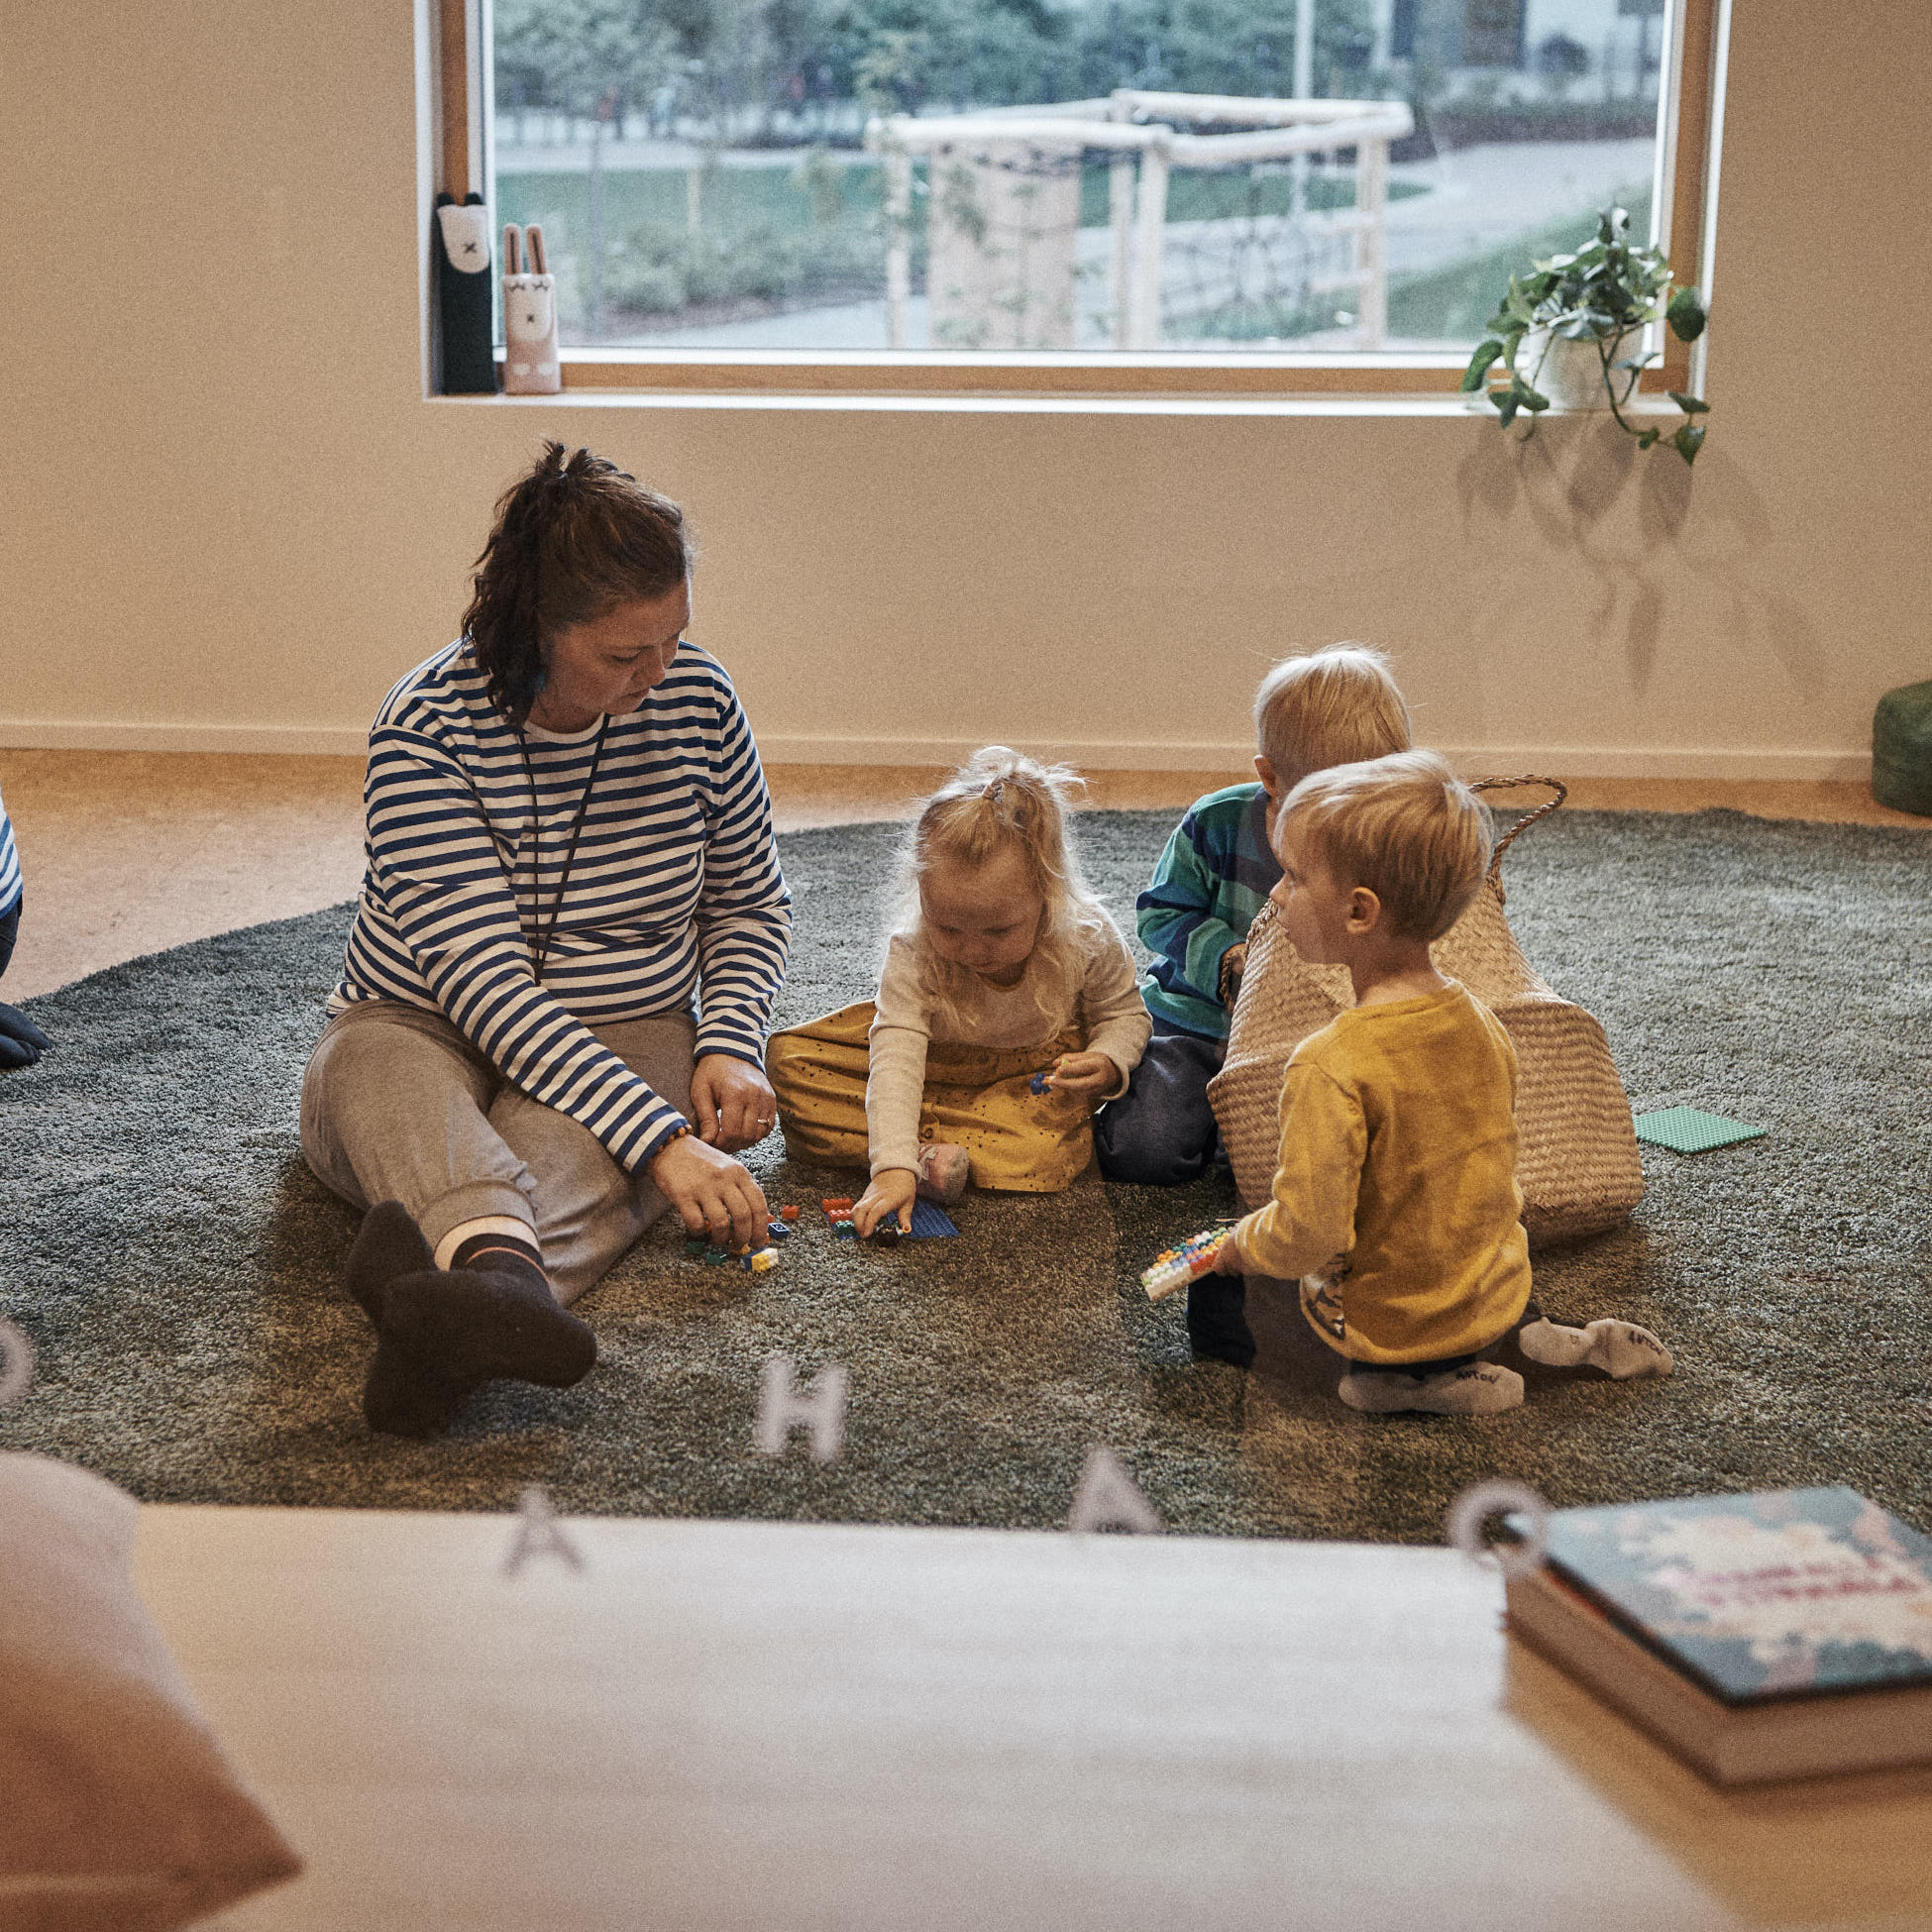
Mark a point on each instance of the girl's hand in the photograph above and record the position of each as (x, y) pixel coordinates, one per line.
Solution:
(731, 1102)
(1229, 1260)
(713, 1194)
(892, 1193)
(1087, 1076)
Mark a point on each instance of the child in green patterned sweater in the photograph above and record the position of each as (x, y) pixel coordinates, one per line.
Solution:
(1330, 708)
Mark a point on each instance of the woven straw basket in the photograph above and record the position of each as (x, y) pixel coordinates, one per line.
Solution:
(1576, 1150)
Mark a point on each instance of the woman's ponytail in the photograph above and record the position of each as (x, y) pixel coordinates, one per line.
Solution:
(574, 537)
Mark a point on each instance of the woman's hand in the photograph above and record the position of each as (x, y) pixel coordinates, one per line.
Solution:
(731, 1102)
(1086, 1076)
(712, 1193)
(891, 1193)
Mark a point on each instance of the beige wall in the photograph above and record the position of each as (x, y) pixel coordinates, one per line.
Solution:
(232, 518)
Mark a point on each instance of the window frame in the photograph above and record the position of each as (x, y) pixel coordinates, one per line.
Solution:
(1690, 115)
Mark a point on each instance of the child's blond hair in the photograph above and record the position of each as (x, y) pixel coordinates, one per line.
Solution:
(1335, 707)
(1406, 827)
(1001, 800)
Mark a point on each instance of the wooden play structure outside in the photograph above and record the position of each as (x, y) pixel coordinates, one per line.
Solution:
(1004, 267)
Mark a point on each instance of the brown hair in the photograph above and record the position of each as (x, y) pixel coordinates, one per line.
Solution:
(1333, 706)
(573, 538)
(999, 801)
(1406, 827)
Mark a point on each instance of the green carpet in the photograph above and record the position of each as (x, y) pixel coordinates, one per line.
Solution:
(177, 1269)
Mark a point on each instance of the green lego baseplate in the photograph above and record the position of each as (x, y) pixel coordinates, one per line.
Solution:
(1690, 1131)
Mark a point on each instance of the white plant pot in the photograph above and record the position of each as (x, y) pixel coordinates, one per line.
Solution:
(1571, 374)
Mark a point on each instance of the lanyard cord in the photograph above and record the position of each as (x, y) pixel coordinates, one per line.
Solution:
(541, 946)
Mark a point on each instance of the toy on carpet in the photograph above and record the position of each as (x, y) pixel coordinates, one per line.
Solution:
(928, 1223)
(1690, 1131)
(1177, 1266)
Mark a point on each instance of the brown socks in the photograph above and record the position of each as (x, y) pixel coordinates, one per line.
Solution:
(441, 1334)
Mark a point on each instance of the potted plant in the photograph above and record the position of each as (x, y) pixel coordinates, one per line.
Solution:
(1572, 329)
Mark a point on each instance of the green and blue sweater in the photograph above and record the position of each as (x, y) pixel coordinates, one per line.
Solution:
(1214, 877)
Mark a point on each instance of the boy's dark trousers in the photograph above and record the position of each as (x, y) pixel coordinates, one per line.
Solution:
(1162, 1131)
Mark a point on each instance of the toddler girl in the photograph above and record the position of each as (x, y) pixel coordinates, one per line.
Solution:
(1001, 968)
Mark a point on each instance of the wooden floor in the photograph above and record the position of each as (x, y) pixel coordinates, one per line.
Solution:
(131, 852)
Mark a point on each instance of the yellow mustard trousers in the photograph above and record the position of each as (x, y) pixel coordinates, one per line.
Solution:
(977, 1098)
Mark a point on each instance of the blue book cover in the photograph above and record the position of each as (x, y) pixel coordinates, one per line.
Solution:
(1785, 1593)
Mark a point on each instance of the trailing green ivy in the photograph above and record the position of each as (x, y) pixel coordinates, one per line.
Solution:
(1599, 294)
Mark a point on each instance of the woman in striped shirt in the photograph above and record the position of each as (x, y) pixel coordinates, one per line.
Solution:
(21, 1042)
(551, 1019)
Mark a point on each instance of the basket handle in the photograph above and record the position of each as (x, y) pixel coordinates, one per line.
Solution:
(1528, 819)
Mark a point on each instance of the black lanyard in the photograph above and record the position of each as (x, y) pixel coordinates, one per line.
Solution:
(541, 946)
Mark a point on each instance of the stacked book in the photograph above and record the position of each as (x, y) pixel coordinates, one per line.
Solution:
(1786, 1634)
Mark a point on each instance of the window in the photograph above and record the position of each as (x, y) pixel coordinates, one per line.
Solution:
(1224, 196)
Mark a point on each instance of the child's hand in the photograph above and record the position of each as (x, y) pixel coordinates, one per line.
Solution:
(1087, 1076)
(1228, 1261)
(891, 1193)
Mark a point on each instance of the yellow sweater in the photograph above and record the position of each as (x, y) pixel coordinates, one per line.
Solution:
(1395, 1197)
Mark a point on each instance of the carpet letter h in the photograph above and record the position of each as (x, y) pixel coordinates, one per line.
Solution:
(783, 1407)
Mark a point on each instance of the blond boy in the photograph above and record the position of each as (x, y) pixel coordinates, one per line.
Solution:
(1395, 1202)
(1329, 708)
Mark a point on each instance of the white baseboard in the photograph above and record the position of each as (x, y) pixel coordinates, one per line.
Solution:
(1230, 756)
(1236, 758)
(317, 740)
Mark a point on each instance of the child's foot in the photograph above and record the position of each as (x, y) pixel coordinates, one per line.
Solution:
(944, 1171)
(1477, 1388)
(443, 1332)
(1216, 1321)
(1621, 1349)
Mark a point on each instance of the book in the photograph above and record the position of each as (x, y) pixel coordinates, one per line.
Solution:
(1786, 1634)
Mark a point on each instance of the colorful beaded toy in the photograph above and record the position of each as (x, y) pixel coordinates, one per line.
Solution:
(1177, 1266)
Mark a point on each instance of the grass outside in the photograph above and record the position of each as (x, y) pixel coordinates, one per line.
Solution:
(1452, 304)
(770, 235)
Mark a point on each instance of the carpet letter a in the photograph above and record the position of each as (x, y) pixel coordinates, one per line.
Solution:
(538, 1533)
(1107, 1498)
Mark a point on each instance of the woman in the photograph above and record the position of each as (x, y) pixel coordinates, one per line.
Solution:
(568, 840)
(21, 1042)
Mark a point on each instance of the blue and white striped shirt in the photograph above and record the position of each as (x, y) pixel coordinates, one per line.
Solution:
(9, 863)
(676, 881)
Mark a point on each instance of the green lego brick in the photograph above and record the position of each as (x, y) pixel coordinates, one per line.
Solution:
(1689, 1130)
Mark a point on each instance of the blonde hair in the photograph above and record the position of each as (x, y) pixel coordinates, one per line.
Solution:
(1406, 827)
(1335, 707)
(1001, 802)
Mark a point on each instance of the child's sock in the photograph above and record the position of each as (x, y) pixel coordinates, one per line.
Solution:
(944, 1171)
(442, 1333)
(1476, 1388)
(1620, 1350)
(1216, 1320)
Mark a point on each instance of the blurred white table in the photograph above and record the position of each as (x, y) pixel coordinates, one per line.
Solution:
(772, 1725)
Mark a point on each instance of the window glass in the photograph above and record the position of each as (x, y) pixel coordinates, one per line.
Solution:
(1073, 174)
